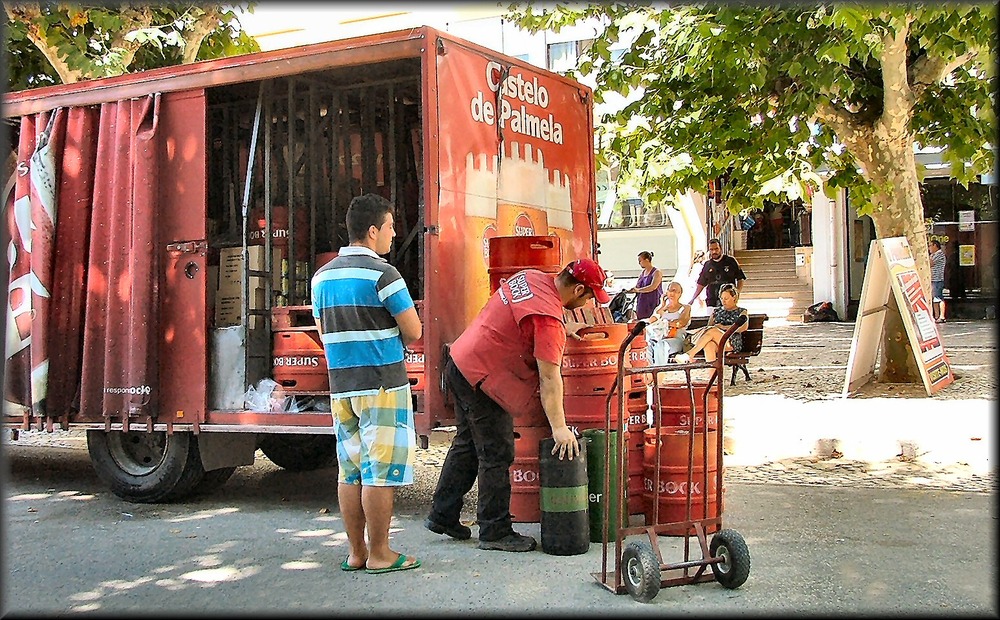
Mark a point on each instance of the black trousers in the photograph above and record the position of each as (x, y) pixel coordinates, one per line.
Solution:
(483, 447)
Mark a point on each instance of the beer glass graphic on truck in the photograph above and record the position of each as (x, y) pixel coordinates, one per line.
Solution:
(521, 192)
(481, 223)
(559, 210)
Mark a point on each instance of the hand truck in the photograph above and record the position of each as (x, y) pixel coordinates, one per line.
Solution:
(639, 568)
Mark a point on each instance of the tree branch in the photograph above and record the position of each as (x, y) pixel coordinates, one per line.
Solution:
(136, 19)
(897, 98)
(193, 36)
(843, 123)
(929, 70)
(29, 13)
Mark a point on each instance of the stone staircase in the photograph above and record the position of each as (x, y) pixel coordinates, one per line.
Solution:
(772, 286)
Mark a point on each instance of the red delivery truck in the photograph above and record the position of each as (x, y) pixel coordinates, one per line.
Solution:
(163, 228)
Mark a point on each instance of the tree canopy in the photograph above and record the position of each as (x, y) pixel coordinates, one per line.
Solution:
(49, 43)
(753, 94)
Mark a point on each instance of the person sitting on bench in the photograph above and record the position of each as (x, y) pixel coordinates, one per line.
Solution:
(668, 325)
(723, 317)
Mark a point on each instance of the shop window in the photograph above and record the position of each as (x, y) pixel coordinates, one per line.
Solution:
(964, 221)
(562, 57)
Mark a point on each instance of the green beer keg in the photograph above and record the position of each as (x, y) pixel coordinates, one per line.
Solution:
(596, 448)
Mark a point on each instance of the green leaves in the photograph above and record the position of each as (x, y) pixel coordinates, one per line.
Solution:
(837, 53)
(91, 41)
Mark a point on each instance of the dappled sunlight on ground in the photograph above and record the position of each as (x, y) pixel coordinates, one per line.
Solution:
(205, 514)
(217, 565)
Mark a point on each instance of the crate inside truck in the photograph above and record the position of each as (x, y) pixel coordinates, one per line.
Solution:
(164, 227)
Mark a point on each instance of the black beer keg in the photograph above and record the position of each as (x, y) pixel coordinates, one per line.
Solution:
(565, 524)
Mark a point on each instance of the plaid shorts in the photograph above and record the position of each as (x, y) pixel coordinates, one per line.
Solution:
(376, 441)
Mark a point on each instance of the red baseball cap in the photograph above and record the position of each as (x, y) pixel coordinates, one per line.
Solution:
(590, 274)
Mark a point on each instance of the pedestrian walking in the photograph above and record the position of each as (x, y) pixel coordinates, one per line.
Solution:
(719, 269)
(938, 261)
(365, 316)
(648, 288)
(507, 364)
(776, 217)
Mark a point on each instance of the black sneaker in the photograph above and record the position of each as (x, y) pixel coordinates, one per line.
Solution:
(457, 531)
(511, 542)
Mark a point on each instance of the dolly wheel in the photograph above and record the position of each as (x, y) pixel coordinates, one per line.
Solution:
(734, 569)
(641, 571)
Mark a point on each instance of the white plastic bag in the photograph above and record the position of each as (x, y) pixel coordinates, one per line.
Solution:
(259, 398)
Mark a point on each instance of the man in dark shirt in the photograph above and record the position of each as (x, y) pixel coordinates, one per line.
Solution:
(716, 271)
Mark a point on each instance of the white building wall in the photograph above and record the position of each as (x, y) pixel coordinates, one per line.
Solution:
(829, 234)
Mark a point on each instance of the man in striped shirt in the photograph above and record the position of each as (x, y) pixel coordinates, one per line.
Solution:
(365, 316)
(938, 261)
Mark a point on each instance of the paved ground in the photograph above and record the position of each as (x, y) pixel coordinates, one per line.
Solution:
(882, 503)
(270, 541)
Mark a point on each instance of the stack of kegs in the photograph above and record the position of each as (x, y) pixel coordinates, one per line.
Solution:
(524, 473)
(299, 362)
(638, 357)
(589, 370)
(667, 495)
(675, 404)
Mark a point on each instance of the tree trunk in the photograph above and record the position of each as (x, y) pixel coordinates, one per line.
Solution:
(891, 166)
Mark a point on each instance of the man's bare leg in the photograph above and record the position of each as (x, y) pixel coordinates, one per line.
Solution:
(349, 496)
(377, 503)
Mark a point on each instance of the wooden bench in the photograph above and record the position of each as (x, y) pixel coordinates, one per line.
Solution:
(753, 341)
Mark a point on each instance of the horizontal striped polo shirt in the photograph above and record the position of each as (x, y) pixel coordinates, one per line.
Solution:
(937, 266)
(356, 297)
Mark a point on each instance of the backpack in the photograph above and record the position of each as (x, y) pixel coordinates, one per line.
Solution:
(622, 307)
(820, 312)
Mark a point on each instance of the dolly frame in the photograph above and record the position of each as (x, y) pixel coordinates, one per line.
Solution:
(718, 555)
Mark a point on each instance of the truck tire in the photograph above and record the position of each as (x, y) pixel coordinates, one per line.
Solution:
(300, 452)
(144, 467)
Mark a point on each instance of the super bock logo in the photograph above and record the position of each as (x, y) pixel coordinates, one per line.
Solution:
(523, 226)
(519, 289)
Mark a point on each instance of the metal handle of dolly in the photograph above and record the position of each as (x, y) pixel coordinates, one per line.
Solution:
(606, 505)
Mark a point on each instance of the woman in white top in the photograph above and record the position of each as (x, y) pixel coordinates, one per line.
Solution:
(668, 325)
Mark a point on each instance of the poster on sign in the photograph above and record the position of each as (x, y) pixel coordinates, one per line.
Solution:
(891, 270)
(966, 221)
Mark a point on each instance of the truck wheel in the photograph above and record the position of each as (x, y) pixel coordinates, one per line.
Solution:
(300, 452)
(146, 467)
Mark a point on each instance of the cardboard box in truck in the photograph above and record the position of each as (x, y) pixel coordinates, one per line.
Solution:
(111, 324)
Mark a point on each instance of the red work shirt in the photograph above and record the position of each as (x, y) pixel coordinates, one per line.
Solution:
(497, 353)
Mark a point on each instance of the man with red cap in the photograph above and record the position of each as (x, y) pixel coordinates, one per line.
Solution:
(506, 365)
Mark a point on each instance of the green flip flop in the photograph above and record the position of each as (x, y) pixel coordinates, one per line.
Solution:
(344, 566)
(399, 564)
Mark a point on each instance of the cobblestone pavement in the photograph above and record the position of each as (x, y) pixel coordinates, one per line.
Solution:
(808, 361)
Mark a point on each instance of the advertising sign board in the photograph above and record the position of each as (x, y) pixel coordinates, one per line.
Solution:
(892, 270)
